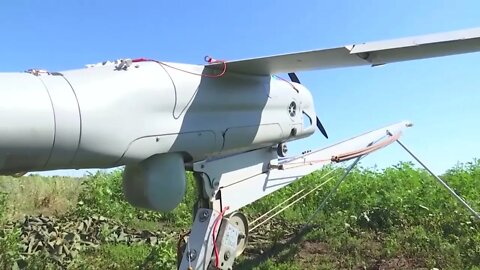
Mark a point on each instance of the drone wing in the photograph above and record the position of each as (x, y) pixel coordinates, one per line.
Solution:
(372, 53)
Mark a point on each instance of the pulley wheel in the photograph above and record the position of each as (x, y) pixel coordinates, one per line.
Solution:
(240, 221)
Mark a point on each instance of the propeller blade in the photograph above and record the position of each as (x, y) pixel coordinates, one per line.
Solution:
(321, 128)
(293, 77)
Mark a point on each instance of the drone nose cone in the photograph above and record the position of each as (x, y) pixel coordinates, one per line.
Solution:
(27, 123)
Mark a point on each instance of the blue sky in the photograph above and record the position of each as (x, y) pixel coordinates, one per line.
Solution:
(440, 95)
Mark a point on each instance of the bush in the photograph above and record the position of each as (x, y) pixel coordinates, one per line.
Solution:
(102, 194)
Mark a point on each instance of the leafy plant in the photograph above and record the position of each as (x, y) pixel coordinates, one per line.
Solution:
(3, 206)
(102, 194)
(9, 248)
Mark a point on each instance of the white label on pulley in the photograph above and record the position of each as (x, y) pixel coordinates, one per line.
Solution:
(231, 236)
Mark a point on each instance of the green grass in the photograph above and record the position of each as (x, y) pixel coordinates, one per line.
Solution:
(118, 256)
(397, 218)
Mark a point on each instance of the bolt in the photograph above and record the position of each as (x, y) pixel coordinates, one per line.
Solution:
(226, 256)
(192, 255)
(204, 216)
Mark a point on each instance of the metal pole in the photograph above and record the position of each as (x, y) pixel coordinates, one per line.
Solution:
(462, 201)
(339, 181)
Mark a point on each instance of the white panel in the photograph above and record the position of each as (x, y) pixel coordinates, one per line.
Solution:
(371, 53)
(26, 123)
(118, 107)
(204, 142)
(238, 137)
(67, 121)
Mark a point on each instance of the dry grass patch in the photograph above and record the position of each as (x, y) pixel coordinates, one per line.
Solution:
(33, 194)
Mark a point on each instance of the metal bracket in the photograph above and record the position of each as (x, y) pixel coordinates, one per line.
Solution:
(200, 245)
(229, 170)
(197, 254)
(37, 72)
(123, 64)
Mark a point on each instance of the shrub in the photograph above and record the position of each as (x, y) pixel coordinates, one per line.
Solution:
(102, 194)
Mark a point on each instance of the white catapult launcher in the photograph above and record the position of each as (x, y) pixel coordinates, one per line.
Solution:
(228, 122)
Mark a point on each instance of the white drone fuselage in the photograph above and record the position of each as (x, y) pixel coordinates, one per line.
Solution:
(101, 116)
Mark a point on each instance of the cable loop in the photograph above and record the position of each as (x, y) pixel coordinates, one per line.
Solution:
(207, 59)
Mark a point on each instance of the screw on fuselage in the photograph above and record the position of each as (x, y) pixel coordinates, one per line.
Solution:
(192, 255)
(226, 256)
(204, 216)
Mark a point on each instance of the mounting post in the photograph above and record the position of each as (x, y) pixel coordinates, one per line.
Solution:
(198, 252)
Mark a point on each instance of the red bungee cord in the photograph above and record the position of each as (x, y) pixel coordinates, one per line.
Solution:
(208, 59)
(217, 221)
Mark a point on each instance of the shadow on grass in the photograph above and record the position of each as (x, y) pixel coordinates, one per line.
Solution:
(282, 251)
